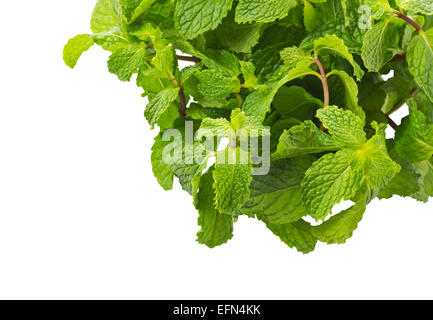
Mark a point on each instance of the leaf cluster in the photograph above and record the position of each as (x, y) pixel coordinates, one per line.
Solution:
(305, 74)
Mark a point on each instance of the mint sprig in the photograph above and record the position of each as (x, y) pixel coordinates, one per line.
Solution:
(304, 76)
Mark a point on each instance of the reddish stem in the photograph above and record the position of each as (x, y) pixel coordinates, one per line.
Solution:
(182, 98)
(408, 20)
(392, 123)
(399, 57)
(188, 58)
(183, 103)
(324, 82)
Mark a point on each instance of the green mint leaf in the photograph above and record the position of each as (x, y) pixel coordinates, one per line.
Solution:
(278, 126)
(168, 119)
(151, 80)
(397, 90)
(194, 17)
(188, 171)
(416, 6)
(161, 14)
(162, 171)
(112, 41)
(373, 159)
(340, 227)
(75, 48)
(351, 35)
(106, 16)
(336, 177)
(182, 155)
(164, 60)
(159, 104)
(108, 27)
(267, 60)
(317, 13)
(414, 138)
(248, 71)
(125, 62)
(351, 26)
(290, 99)
(225, 62)
(263, 10)
(232, 180)
(293, 56)
(258, 103)
(378, 7)
(240, 126)
(378, 44)
(330, 180)
(216, 228)
(198, 112)
(276, 197)
(238, 119)
(351, 92)
(405, 183)
(239, 38)
(253, 128)
(420, 102)
(222, 60)
(219, 127)
(189, 176)
(312, 18)
(215, 85)
(420, 60)
(425, 171)
(146, 32)
(346, 128)
(133, 9)
(333, 45)
(304, 139)
(296, 235)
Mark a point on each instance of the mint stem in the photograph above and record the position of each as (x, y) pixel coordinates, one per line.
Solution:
(183, 103)
(188, 58)
(408, 20)
(399, 57)
(391, 122)
(324, 82)
(182, 98)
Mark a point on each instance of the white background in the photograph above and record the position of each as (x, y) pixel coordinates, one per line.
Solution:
(81, 215)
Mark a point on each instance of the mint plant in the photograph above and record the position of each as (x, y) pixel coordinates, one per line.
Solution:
(302, 77)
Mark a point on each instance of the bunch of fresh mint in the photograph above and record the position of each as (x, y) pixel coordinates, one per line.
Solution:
(300, 78)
